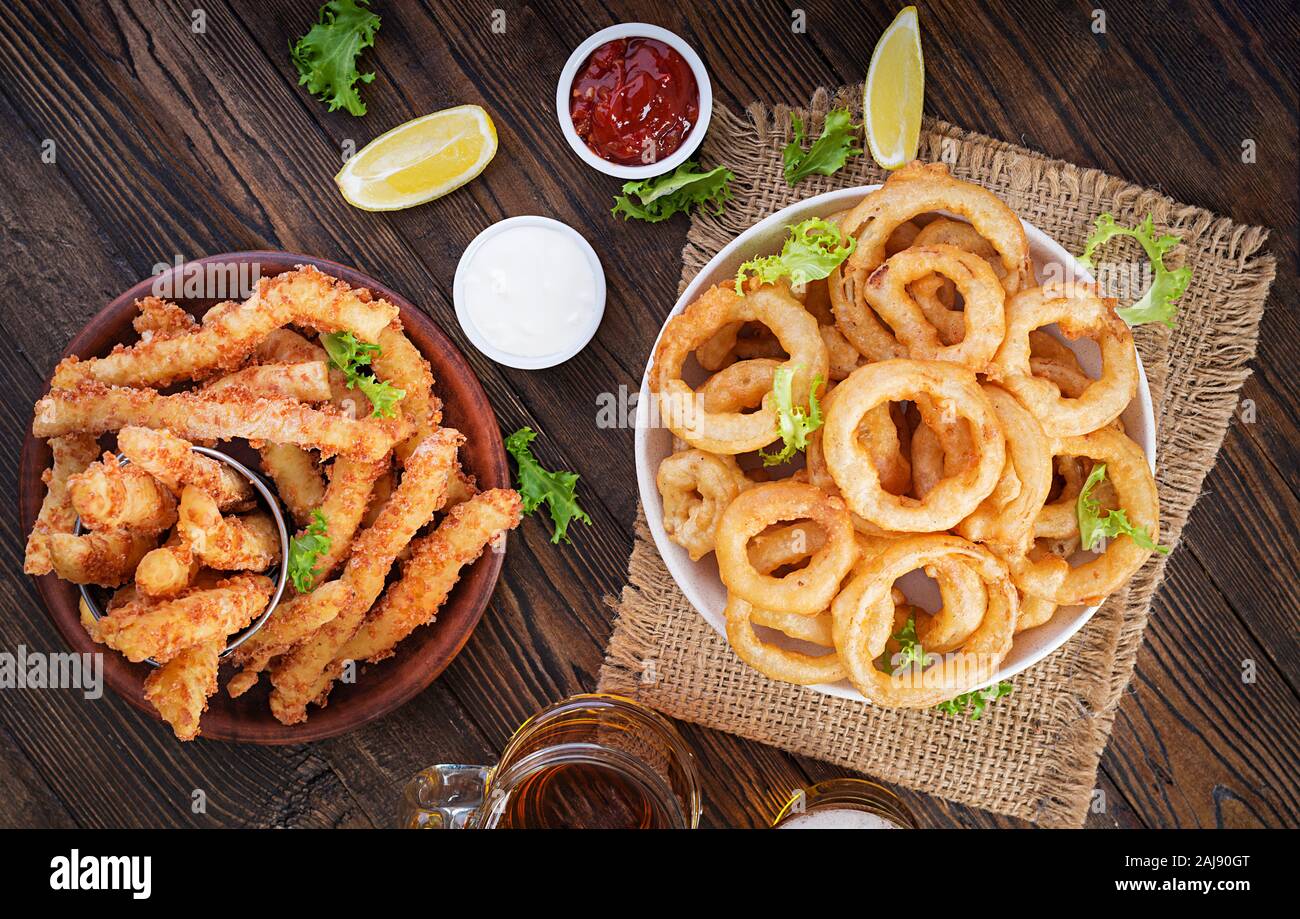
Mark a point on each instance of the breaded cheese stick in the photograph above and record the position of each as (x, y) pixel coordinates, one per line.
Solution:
(161, 319)
(72, 454)
(307, 673)
(297, 478)
(180, 688)
(346, 498)
(110, 496)
(161, 629)
(249, 543)
(432, 571)
(400, 363)
(170, 460)
(290, 624)
(167, 570)
(105, 558)
(304, 381)
(94, 408)
(229, 334)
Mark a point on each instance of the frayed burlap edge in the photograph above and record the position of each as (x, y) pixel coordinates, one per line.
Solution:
(1064, 706)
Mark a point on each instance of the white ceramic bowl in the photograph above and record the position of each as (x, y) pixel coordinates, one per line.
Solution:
(579, 57)
(699, 581)
(476, 337)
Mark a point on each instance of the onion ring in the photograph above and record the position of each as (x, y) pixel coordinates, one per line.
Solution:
(863, 614)
(808, 590)
(1078, 311)
(917, 189)
(886, 293)
(859, 323)
(953, 389)
(1135, 490)
(773, 661)
(739, 386)
(1006, 518)
(696, 487)
(732, 432)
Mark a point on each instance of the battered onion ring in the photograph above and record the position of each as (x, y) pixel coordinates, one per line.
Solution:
(1135, 491)
(771, 660)
(886, 293)
(864, 619)
(883, 441)
(859, 323)
(953, 389)
(941, 448)
(917, 189)
(943, 231)
(696, 487)
(732, 432)
(929, 294)
(844, 358)
(739, 386)
(1079, 312)
(786, 544)
(1006, 518)
(1034, 611)
(964, 600)
(808, 590)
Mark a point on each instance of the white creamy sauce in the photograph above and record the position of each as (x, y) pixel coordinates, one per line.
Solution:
(530, 291)
(838, 818)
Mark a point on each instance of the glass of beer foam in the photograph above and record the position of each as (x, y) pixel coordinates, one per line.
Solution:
(591, 761)
(844, 804)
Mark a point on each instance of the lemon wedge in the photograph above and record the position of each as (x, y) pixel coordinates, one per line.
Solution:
(421, 160)
(895, 89)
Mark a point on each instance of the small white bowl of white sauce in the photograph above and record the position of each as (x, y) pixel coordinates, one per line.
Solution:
(529, 292)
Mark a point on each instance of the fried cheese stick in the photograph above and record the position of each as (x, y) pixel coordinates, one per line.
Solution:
(161, 629)
(230, 332)
(307, 673)
(249, 543)
(400, 363)
(433, 569)
(180, 688)
(94, 408)
(291, 623)
(167, 570)
(344, 506)
(170, 460)
(72, 454)
(297, 478)
(110, 496)
(105, 558)
(304, 381)
(161, 319)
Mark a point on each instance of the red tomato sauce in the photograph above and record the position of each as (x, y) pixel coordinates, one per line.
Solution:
(634, 101)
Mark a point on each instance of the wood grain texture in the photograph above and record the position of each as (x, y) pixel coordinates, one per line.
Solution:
(170, 142)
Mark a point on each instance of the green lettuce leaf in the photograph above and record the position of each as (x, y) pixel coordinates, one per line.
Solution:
(326, 57)
(1157, 304)
(1096, 524)
(686, 187)
(352, 357)
(557, 491)
(909, 651)
(812, 250)
(828, 153)
(305, 549)
(793, 422)
(975, 701)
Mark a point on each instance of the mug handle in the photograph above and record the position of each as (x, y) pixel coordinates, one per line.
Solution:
(443, 797)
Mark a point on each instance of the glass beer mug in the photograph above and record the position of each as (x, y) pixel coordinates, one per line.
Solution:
(591, 761)
(845, 804)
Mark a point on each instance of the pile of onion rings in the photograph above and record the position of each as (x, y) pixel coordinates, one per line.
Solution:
(957, 435)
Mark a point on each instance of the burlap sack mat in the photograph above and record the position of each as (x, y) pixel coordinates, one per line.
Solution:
(1034, 755)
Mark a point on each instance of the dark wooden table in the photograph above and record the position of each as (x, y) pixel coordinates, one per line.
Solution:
(169, 142)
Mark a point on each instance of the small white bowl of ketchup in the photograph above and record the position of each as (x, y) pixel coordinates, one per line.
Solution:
(634, 101)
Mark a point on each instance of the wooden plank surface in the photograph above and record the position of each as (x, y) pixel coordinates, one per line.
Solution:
(171, 142)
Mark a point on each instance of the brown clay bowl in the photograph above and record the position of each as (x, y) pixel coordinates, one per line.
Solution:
(379, 688)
